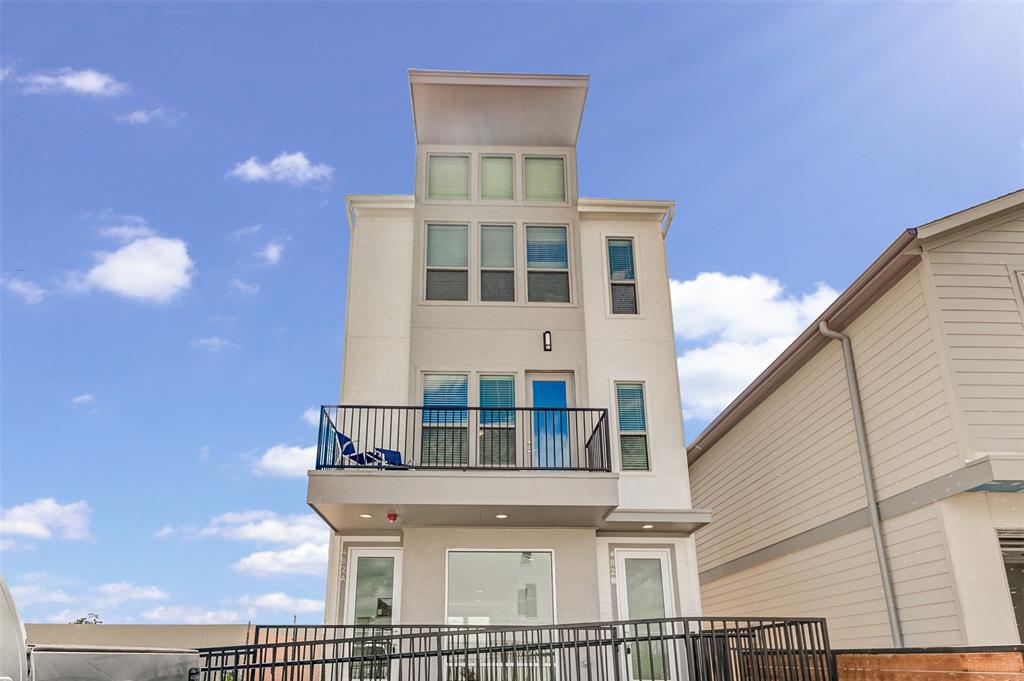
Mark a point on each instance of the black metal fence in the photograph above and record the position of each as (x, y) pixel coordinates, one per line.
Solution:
(514, 438)
(673, 649)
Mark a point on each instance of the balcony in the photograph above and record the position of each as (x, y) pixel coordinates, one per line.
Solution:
(462, 466)
(463, 438)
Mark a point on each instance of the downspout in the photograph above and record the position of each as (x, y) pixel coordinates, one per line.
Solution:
(869, 485)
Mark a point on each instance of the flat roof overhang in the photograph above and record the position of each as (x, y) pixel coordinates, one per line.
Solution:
(497, 109)
(458, 498)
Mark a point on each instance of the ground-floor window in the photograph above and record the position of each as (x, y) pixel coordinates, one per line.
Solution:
(500, 587)
(1012, 545)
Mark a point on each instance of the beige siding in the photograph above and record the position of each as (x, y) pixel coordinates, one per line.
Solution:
(792, 464)
(838, 579)
(978, 293)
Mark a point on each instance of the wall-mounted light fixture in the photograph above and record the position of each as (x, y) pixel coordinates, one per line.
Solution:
(547, 341)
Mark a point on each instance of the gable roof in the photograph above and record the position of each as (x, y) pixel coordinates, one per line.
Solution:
(888, 268)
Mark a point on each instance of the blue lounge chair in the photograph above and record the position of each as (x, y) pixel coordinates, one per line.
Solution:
(378, 458)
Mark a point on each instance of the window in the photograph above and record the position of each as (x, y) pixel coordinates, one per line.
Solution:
(447, 177)
(447, 262)
(1011, 543)
(623, 276)
(497, 263)
(500, 587)
(545, 178)
(497, 177)
(547, 265)
(445, 420)
(632, 426)
(497, 421)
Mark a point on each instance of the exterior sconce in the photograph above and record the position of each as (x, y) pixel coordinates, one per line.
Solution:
(547, 341)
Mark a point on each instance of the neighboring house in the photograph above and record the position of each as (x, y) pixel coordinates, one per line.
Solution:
(936, 326)
(510, 449)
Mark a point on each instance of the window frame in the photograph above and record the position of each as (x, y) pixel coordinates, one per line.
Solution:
(634, 282)
(567, 199)
(468, 268)
(480, 175)
(468, 155)
(554, 572)
(568, 269)
(646, 432)
(480, 268)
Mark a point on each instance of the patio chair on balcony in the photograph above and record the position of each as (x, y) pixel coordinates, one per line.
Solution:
(377, 458)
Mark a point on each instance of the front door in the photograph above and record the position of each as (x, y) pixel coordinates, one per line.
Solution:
(644, 590)
(550, 394)
(374, 586)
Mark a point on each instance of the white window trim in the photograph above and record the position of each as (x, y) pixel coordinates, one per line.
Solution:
(470, 263)
(480, 177)
(608, 277)
(565, 180)
(470, 178)
(356, 552)
(554, 572)
(569, 259)
(614, 417)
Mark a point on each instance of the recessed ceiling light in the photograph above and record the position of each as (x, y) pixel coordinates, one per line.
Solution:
(647, 527)
(501, 516)
(365, 515)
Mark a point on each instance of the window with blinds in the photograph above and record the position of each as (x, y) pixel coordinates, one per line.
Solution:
(447, 262)
(544, 178)
(497, 263)
(497, 177)
(445, 433)
(447, 177)
(629, 399)
(497, 421)
(622, 273)
(547, 265)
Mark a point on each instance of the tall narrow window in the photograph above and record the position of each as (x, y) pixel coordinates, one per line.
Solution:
(447, 177)
(445, 437)
(497, 421)
(547, 265)
(497, 177)
(497, 263)
(447, 262)
(622, 273)
(545, 178)
(632, 426)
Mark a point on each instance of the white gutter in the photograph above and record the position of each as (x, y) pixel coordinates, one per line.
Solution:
(869, 485)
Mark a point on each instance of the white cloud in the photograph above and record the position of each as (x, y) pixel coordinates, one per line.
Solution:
(282, 602)
(5, 73)
(83, 82)
(191, 615)
(242, 232)
(286, 461)
(116, 593)
(736, 326)
(164, 117)
(33, 594)
(266, 526)
(244, 287)
(31, 293)
(152, 268)
(272, 252)
(164, 532)
(312, 416)
(42, 518)
(293, 168)
(304, 559)
(84, 398)
(212, 343)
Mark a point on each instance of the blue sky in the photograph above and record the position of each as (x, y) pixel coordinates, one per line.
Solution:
(169, 315)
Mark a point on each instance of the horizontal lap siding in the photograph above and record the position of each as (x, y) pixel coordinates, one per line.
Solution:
(977, 297)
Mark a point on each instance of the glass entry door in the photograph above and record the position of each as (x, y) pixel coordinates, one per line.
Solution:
(374, 586)
(643, 579)
(550, 394)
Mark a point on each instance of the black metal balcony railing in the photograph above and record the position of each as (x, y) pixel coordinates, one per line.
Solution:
(670, 649)
(465, 438)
